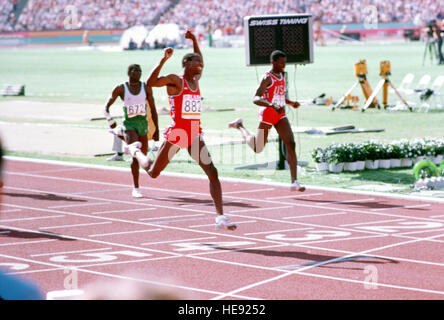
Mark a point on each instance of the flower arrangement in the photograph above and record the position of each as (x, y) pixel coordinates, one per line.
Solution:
(394, 151)
(374, 150)
(319, 155)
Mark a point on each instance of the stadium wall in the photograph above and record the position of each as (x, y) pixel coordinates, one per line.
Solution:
(48, 37)
(76, 36)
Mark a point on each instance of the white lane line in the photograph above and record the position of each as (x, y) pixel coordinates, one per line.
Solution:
(371, 222)
(68, 252)
(250, 191)
(25, 242)
(346, 201)
(31, 218)
(75, 225)
(296, 196)
(276, 231)
(176, 241)
(123, 210)
(123, 232)
(315, 215)
(260, 209)
(172, 217)
(209, 225)
(10, 210)
(77, 205)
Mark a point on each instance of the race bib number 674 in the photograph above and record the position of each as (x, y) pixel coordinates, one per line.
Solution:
(136, 110)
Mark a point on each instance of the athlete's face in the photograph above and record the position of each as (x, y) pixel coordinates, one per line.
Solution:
(135, 73)
(279, 64)
(196, 65)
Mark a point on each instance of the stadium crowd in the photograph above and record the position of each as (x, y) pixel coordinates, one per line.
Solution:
(227, 15)
(39, 15)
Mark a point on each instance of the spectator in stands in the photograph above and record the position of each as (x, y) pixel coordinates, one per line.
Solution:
(227, 15)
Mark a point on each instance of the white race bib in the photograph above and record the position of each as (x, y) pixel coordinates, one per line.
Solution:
(279, 100)
(191, 106)
(136, 110)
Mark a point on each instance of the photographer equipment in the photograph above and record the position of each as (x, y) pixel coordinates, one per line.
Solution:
(430, 43)
(360, 73)
(385, 71)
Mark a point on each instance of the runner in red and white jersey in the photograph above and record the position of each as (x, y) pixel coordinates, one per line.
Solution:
(275, 94)
(185, 110)
(270, 97)
(184, 131)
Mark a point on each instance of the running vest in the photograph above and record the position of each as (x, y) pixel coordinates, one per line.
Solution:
(275, 93)
(187, 105)
(134, 105)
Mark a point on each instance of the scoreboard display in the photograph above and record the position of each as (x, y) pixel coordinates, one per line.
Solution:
(292, 34)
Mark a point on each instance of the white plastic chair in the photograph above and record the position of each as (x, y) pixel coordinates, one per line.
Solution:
(406, 84)
(436, 99)
(420, 87)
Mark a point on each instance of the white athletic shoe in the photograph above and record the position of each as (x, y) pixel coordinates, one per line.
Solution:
(115, 157)
(223, 222)
(236, 123)
(133, 148)
(296, 186)
(136, 193)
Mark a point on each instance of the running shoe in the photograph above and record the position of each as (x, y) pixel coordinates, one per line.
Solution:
(236, 123)
(136, 193)
(296, 186)
(223, 222)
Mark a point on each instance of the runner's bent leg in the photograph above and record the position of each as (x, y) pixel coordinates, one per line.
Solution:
(257, 142)
(166, 152)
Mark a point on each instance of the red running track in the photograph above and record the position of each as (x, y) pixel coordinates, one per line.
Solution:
(66, 226)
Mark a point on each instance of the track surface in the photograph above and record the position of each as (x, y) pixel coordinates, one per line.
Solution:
(67, 226)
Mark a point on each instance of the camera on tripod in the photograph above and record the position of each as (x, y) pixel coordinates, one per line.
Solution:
(431, 42)
(385, 68)
(361, 68)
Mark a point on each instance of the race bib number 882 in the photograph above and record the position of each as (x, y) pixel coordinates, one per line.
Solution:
(191, 106)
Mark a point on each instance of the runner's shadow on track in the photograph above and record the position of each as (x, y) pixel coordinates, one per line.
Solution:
(316, 260)
(31, 235)
(187, 201)
(363, 204)
(47, 196)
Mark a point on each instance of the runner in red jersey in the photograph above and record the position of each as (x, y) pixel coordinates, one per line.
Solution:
(270, 97)
(185, 113)
(185, 131)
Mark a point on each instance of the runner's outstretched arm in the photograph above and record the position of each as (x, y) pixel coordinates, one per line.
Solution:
(154, 80)
(192, 37)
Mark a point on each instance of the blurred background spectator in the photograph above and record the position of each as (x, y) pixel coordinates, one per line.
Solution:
(225, 17)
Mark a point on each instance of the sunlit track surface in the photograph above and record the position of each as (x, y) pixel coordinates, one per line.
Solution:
(65, 222)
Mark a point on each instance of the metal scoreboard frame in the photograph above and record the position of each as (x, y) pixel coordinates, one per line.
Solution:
(291, 33)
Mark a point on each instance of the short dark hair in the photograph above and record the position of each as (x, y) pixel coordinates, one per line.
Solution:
(132, 66)
(276, 54)
(189, 57)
